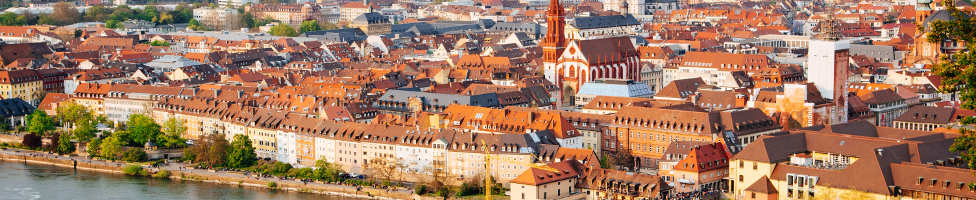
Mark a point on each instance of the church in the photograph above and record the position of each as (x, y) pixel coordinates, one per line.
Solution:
(570, 63)
(925, 52)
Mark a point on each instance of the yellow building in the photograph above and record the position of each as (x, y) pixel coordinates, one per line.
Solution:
(91, 95)
(24, 84)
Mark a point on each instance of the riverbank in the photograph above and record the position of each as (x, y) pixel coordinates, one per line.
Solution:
(181, 172)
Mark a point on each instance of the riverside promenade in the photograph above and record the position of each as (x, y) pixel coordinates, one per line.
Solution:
(179, 171)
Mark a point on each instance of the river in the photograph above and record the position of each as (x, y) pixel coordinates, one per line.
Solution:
(20, 181)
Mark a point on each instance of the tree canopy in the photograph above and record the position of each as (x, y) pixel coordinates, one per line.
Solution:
(241, 153)
(958, 71)
(209, 151)
(172, 137)
(310, 25)
(112, 147)
(283, 30)
(142, 129)
(196, 26)
(39, 123)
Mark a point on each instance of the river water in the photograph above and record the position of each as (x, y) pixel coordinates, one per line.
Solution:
(22, 181)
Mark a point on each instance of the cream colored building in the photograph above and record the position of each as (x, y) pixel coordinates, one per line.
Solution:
(558, 182)
(218, 18)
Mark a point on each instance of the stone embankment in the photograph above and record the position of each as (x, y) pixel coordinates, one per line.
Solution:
(179, 172)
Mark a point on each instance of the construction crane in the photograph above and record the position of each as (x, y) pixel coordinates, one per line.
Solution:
(488, 159)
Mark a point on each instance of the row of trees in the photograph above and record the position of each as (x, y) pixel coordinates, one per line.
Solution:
(213, 151)
(65, 13)
(306, 26)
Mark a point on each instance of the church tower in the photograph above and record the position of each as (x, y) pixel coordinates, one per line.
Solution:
(555, 40)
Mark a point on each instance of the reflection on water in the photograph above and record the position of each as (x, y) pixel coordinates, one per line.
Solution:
(29, 181)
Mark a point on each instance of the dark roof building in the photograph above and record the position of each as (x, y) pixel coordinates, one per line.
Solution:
(925, 118)
(604, 21)
(406, 102)
(873, 160)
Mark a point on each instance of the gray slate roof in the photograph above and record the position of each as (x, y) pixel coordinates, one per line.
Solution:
(438, 99)
(880, 52)
(604, 21)
(943, 15)
(338, 35)
(371, 18)
(417, 28)
(15, 107)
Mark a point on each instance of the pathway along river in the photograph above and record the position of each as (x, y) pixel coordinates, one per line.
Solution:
(22, 181)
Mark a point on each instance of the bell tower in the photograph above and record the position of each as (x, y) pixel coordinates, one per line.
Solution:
(555, 39)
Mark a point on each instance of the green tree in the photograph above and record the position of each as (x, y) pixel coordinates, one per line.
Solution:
(182, 14)
(958, 71)
(122, 13)
(326, 171)
(85, 130)
(283, 30)
(40, 123)
(113, 24)
(134, 170)
(134, 155)
(310, 25)
(72, 113)
(279, 169)
(142, 129)
(112, 146)
(302, 173)
(247, 19)
(11, 19)
(93, 147)
(241, 153)
(196, 26)
(172, 137)
(65, 146)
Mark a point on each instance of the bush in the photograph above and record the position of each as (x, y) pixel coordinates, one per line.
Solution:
(272, 185)
(468, 189)
(134, 170)
(161, 174)
(442, 192)
(421, 189)
(134, 155)
(32, 141)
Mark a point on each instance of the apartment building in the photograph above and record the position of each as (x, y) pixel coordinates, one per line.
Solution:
(291, 14)
(218, 18)
(24, 84)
